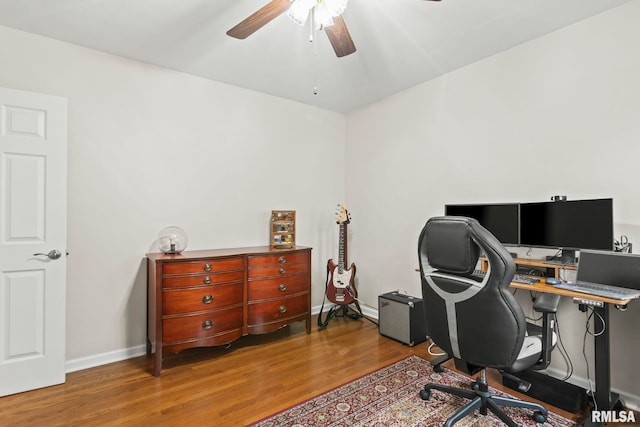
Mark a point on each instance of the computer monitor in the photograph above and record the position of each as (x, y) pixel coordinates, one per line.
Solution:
(568, 225)
(609, 268)
(501, 219)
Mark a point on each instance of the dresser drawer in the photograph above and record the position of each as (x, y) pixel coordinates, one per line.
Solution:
(201, 325)
(219, 339)
(286, 258)
(271, 311)
(277, 270)
(202, 279)
(177, 301)
(203, 266)
(277, 288)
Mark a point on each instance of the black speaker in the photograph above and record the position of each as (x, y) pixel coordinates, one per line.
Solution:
(401, 317)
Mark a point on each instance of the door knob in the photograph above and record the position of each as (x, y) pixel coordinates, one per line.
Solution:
(53, 254)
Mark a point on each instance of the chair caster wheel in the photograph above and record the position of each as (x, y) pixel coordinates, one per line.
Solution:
(539, 417)
(425, 394)
(438, 368)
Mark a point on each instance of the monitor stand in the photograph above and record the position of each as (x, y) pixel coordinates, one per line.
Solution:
(568, 257)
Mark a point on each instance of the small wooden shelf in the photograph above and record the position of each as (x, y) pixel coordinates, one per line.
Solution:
(283, 229)
(550, 266)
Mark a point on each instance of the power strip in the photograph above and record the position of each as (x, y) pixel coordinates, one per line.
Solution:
(589, 302)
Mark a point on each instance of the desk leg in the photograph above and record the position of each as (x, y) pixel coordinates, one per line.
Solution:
(603, 397)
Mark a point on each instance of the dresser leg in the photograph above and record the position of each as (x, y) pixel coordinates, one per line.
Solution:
(158, 363)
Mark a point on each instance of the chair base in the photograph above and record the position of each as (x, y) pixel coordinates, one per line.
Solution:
(480, 398)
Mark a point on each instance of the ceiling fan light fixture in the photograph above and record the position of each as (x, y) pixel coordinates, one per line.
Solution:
(333, 7)
(299, 11)
(322, 16)
(323, 11)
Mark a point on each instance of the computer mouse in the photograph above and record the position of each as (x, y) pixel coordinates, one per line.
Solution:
(553, 281)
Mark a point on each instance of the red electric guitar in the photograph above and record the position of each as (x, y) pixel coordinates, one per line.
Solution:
(341, 288)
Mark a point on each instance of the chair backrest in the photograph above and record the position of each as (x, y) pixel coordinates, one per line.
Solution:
(472, 317)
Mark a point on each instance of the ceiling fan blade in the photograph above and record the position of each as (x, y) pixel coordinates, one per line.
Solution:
(260, 18)
(340, 38)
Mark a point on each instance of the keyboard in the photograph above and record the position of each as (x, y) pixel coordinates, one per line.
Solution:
(518, 278)
(600, 290)
(528, 280)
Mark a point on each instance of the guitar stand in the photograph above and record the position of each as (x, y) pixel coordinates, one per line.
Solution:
(357, 314)
(339, 311)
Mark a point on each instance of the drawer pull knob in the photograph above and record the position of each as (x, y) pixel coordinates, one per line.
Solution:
(282, 287)
(207, 299)
(207, 280)
(282, 309)
(207, 267)
(207, 324)
(282, 260)
(283, 270)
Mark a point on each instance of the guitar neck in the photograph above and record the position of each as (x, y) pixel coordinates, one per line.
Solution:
(342, 247)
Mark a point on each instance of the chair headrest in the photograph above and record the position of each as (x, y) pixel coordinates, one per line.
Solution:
(449, 245)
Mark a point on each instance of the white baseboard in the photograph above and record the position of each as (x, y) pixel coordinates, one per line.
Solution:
(104, 358)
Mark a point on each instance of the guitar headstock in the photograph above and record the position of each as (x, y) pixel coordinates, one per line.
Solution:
(342, 215)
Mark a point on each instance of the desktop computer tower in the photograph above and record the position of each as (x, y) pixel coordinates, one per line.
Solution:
(401, 317)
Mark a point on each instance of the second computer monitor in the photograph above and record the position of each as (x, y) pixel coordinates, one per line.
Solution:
(575, 224)
(501, 219)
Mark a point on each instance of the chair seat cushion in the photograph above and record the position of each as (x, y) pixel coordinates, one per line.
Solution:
(530, 352)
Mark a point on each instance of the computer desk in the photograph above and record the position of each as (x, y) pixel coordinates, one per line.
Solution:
(603, 396)
(602, 393)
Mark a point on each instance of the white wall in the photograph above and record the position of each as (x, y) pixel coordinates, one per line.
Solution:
(558, 115)
(149, 147)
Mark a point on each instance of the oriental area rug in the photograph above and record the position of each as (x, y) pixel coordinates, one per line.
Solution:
(390, 397)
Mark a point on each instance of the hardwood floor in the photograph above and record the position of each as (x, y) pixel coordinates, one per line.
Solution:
(256, 377)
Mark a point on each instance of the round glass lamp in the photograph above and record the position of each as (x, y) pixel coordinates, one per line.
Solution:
(172, 240)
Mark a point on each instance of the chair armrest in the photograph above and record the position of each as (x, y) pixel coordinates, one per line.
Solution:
(546, 303)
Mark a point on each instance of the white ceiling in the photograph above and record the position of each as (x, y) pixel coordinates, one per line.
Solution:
(400, 43)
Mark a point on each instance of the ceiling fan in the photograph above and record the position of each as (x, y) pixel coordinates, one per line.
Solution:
(325, 13)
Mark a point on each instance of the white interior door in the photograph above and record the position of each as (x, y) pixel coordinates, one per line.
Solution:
(33, 200)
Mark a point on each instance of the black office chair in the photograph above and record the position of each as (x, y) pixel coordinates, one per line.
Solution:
(474, 317)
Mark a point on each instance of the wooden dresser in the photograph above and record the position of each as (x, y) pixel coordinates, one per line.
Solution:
(213, 297)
